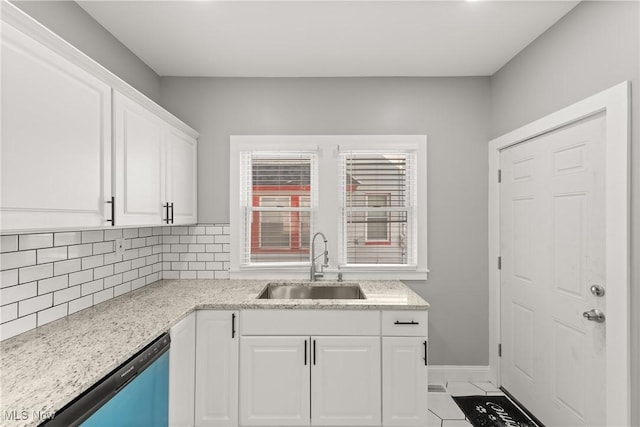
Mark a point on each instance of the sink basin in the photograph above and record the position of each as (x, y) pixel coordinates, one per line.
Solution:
(305, 291)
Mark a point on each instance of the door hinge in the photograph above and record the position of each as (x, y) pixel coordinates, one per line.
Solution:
(499, 175)
(499, 263)
(499, 350)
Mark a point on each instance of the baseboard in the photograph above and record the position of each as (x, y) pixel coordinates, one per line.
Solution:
(444, 373)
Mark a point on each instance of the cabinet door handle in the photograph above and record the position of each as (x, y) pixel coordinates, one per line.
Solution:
(171, 212)
(305, 352)
(314, 352)
(112, 202)
(413, 322)
(166, 213)
(233, 325)
(426, 353)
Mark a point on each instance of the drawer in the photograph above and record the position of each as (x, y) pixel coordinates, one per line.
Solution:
(310, 322)
(404, 323)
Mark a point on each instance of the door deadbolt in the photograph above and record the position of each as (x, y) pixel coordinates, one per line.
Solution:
(597, 290)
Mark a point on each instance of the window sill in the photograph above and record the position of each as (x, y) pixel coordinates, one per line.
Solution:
(348, 273)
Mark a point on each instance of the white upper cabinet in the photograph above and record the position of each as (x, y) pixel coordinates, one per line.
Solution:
(181, 176)
(56, 139)
(59, 109)
(139, 156)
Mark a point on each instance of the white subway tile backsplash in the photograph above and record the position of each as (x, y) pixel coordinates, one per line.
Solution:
(51, 314)
(78, 251)
(18, 326)
(100, 272)
(52, 254)
(92, 236)
(102, 296)
(82, 268)
(92, 262)
(33, 305)
(67, 239)
(35, 241)
(112, 281)
(8, 278)
(53, 284)
(122, 289)
(113, 234)
(37, 272)
(130, 233)
(103, 247)
(8, 243)
(66, 267)
(80, 304)
(66, 295)
(17, 259)
(18, 292)
(91, 287)
(8, 312)
(80, 277)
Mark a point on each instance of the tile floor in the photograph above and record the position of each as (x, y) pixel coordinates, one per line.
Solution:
(443, 411)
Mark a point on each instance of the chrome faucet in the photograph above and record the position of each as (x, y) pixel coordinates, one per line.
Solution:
(325, 262)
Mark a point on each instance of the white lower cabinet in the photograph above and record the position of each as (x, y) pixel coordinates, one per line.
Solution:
(404, 381)
(216, 385)
(345, 381)
(182, 364)
(274, 381)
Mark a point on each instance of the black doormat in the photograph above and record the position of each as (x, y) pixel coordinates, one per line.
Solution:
(493, 411)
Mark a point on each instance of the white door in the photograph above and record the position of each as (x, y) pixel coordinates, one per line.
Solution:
(274, 381)
(182, 372)
(139, 172)
(182, 177)
(56, 139)
(345, 381)
(552, 247)
(404, 381)
(216, 395)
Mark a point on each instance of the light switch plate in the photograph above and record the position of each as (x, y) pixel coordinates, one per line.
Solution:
(119, 246)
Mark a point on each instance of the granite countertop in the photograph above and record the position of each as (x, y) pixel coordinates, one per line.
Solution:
(44, 369)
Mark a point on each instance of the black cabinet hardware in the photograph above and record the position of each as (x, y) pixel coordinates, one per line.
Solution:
(426, 357)
(314, 352)
(112, 202)
(413, 322)
(166, 213)
(233, 325)
(305, 352)
(171, 212)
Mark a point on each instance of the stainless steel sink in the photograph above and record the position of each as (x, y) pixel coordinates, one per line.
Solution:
(304, 291)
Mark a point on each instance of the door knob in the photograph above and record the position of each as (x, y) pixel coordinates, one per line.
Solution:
(597, 290)
(594, 315)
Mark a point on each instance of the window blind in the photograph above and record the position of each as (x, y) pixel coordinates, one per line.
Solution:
(378, 208)
(278, 199)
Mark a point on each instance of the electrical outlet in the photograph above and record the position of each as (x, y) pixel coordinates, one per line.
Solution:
(119, 246)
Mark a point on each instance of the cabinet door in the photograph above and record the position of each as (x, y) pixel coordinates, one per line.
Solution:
(404, 381)
(274, 381)
(182, 176)
(182, 374)
(139, 156)
(55, 162)
(216, 368)
(345, 381)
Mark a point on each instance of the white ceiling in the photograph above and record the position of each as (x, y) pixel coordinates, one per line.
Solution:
(326, 38)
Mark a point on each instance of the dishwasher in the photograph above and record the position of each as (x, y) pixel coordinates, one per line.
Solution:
(136, 394)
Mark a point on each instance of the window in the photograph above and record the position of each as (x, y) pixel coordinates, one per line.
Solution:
(367, 194)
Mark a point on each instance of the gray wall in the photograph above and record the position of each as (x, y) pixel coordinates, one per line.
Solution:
(77, 27)
(594, 47)
(452, 112)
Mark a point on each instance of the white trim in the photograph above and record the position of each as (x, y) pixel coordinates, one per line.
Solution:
(614, 102)
(442, 374)
(29, 26)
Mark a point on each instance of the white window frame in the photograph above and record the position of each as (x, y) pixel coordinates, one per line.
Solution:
(327, 214)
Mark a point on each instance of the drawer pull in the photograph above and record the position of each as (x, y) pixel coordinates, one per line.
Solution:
(413, 322)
